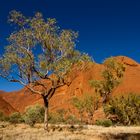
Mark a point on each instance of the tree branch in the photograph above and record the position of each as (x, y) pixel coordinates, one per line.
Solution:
(27, 86)
(22, 83)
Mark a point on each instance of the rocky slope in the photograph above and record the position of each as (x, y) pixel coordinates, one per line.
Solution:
(5, 107)
(78, 84)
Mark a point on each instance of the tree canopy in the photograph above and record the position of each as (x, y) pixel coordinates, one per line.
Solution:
(111, 77)
(37, 48)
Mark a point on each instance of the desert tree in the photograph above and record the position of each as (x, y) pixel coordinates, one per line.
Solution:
(111, 77)
(78, 103)
(86, 104)
(126, 110)
(38, 49)
(91, 104)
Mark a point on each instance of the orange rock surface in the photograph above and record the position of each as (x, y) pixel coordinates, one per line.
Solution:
(78, 84)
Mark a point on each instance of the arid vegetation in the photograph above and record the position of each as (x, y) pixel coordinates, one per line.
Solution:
(67, 132)
(111, 77)
(124, 110)
(33, 114)
(42, 57)
(119, 111)
(86, 104)
(55, 54)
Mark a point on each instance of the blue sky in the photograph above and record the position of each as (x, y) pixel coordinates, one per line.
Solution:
(106, 27)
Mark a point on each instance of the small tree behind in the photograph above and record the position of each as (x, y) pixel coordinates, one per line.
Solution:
(79, 104)
(91, 103)
(38, 48)
(111, 77)
(86, 104)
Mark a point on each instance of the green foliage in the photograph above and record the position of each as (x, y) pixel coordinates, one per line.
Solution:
(78, 103)
(86, 103)
(127, 109)
(111, 77)
(16, 118)
(91, 103)
(61, 113)
(71, 119)
(34, 114)
(112, 65)
(57, 117)
(37, 48)
(60, 116)
(56, 49)
(105, 123)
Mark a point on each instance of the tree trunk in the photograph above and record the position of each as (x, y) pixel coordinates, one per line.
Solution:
(46, 105)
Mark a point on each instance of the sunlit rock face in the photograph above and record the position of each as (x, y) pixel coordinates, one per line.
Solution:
(77, 84)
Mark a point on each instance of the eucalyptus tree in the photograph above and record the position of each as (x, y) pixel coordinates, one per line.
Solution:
(38, 49)
(111, 77)
(86, 104)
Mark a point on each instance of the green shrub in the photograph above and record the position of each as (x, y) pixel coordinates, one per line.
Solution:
(15, 118)
(105, 123)
(71, 119)
(127, 109)
(60, 117)
(34, 114)
(54, 118)
(86, 104)
(57, 117)
(111, 78)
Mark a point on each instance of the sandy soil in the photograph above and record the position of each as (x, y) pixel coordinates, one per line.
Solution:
(67, 132)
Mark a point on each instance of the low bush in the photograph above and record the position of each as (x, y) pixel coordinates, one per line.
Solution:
(57, 117)
(54, 118)
(15, 118)
(127, 109)
(86, 104)
(71, 119)
(34, 114)
(105, 123)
